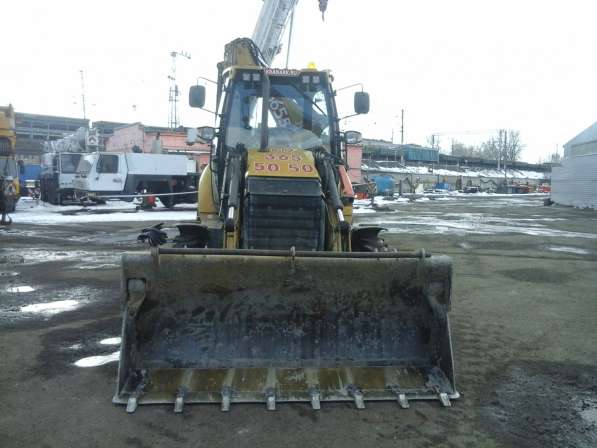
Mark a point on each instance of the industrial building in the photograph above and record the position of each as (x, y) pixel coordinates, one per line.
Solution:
(137, 137)
(575, 181)
(35, 129)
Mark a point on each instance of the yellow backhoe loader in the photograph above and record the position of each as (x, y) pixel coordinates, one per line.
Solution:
(9, 172)
(273, 295)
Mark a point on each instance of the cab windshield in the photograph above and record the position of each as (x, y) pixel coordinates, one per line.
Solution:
(8, 167)
(297, 112)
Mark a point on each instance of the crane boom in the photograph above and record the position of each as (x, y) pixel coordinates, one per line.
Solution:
(270, 26)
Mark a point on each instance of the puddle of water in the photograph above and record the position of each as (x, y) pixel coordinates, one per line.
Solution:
(51, 307)
(20, 289)
(94, 361)
(110, 341)
(571, 250)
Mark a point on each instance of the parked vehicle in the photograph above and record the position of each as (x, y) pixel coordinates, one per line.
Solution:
(60, 162)
(58, 172)
(112, 174)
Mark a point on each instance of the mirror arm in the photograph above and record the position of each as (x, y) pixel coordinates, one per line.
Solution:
(207, 110)
(206, 79)
(352, 85)
(348, 116)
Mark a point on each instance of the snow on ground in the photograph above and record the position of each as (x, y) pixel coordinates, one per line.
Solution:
(397, 218)
(30, 211)
(494, 173)
(464, 224)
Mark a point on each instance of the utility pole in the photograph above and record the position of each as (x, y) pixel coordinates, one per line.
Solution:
(402, 128)
(499, 149)
(505, 155)
(83, 92)
(173, 92)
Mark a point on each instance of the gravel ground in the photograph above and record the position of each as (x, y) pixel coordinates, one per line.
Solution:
(523, 322)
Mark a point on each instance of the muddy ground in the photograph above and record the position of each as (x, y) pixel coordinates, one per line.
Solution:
(524, 321)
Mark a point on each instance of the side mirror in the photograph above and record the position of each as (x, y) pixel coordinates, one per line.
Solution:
(197, 96)
(204, 133)
(361, 102)
(352, 137)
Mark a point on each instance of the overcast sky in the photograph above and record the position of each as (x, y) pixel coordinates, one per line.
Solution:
(454, 66)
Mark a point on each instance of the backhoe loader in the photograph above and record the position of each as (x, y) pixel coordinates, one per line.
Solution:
(273, 295)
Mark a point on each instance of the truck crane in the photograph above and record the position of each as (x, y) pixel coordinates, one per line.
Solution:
(278, 296)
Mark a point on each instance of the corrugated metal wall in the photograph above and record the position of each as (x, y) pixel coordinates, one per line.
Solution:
(575, 182)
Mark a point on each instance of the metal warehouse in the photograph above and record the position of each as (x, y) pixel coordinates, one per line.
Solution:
(575, 182)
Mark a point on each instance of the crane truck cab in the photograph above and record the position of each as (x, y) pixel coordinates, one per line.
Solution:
(59, 171)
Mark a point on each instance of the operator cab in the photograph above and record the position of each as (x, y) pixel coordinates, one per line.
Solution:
(267, 108)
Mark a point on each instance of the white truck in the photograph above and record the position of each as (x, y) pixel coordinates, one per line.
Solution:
(118, 174)
(60, 162)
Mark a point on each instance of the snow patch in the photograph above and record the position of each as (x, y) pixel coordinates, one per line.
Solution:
(94, 361)
(20, 289)
(50, 308)
(110, 341)
(571, 250)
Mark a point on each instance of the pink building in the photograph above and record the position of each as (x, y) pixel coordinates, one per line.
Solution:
(137, 137)
(354, 156)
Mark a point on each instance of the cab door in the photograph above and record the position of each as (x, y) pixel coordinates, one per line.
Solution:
(109, 173)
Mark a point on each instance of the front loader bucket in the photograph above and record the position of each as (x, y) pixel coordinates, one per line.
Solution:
(223, 326)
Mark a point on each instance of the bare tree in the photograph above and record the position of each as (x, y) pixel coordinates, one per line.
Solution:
(491, 149)
(555, 157)
(462, 150)
(512, 145)
(433, 141)
(505, 147)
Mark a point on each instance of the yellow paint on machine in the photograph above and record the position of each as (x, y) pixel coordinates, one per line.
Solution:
(281, 163)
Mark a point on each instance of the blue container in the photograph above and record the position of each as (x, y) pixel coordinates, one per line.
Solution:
(444, 186)
(32, 172)
(422, 155)
(385, 185)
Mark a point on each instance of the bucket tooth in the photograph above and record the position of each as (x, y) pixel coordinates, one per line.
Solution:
(312, 380)
(183, 390)
(357, 395)
(226, 390)
(226, 398)
(132, 403)
(179, 402)
(391, 376)
(403, 401)
(315, 398)
(270, 390)
(445, 400)
(270, 397)
(353, 390)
